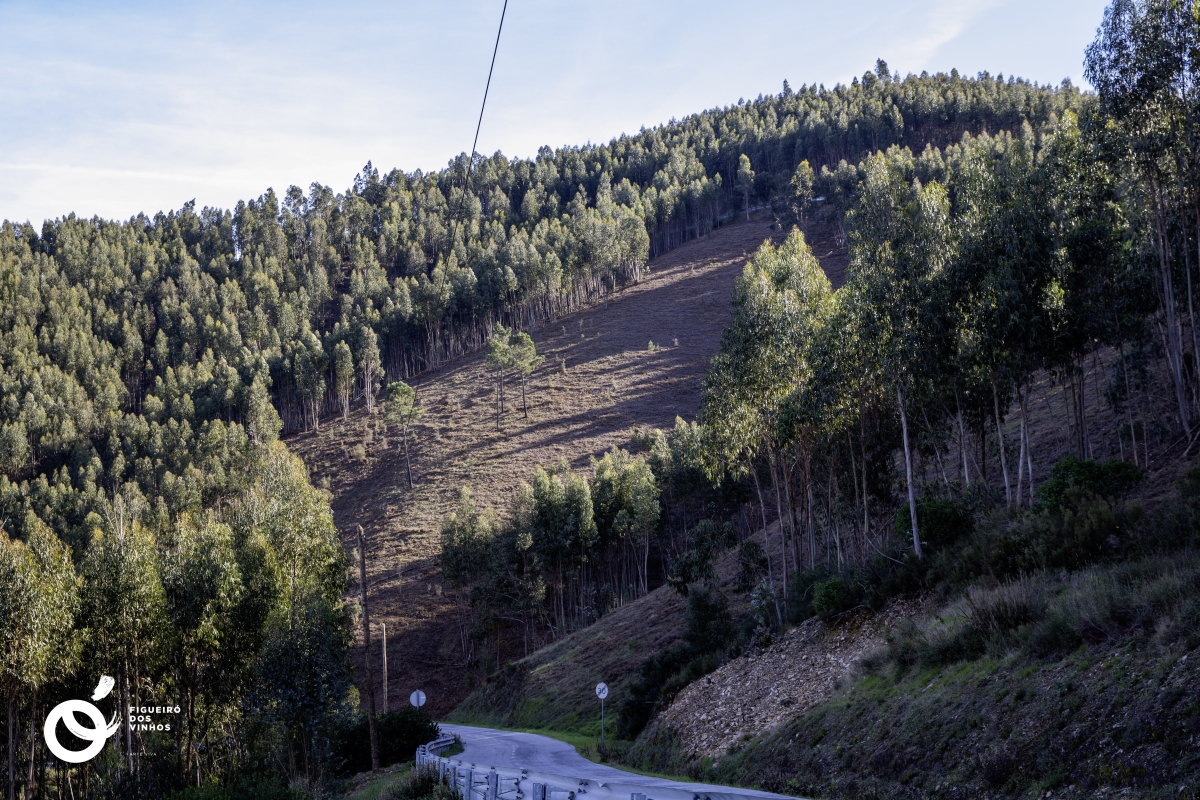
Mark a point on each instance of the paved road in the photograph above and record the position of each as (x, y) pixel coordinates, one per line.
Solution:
(509, 750)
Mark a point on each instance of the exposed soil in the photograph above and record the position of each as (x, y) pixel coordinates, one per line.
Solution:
(758, 691)
(602, 382)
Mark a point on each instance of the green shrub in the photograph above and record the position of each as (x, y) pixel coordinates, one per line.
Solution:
(421, 783)
(708, 634)
(1071, 479)
(832, 597)
(1006, 608)
(942, 522)
(800, 592)
(260, 788)
(708, 625)
(643, 694)
(400, 733)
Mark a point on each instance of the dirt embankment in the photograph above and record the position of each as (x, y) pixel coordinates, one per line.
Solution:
(757, 692)
(601, 382)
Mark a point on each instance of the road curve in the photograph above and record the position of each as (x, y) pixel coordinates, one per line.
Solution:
(511, 750)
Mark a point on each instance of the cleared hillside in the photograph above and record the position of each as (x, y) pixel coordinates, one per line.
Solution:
(601, 382)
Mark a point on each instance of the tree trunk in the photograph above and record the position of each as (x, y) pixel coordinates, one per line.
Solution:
(962, 439)
(767, 550)
(407, 461)
(863, 450)
(366, 622)
(1129, 406)
(1174, 347)
(524, 407)
(128, 720)
(12, 751)
(782, 533)
(1022, 396)
(33, 712)
(912, 499)
(1000, 440)
(1021, 452)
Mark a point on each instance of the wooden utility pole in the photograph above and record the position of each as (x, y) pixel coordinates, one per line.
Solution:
(366, 622)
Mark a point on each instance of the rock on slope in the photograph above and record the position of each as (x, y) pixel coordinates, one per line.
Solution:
(762, 689)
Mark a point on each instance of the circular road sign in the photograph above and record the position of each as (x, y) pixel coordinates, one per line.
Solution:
(417, 698)
(602, 690)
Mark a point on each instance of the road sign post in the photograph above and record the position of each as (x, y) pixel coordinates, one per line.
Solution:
(602, 692)
(417, 698)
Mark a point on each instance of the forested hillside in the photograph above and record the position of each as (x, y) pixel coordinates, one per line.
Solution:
(148, 367)
(1013, 353)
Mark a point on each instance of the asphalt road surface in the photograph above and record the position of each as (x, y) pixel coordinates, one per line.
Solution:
(487, 747)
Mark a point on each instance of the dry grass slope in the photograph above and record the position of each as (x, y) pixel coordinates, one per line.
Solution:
(601, 382)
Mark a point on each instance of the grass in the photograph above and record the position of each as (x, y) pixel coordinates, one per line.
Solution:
(374, 786)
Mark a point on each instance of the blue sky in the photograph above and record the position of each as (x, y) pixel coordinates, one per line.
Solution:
(118, 108)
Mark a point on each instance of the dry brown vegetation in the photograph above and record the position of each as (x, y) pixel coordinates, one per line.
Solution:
(601, 382)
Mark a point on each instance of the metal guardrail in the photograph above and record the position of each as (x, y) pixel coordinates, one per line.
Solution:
(480, 782)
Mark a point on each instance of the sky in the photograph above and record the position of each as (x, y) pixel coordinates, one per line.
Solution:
(124, 107)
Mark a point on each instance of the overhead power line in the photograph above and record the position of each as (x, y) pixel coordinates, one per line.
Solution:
(478, 125)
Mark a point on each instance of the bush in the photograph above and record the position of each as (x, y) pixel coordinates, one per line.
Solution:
(708, 634)
(1006, 608)
(800, 592)
(643, 694)
(400, 733)
(942, 522)
(832, 597)
(1071, 479)
(259, 788)
(420, 784)
(708, 625)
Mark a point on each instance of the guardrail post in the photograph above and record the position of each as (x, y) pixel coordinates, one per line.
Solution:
(539, 791)
(493, 786)
(637, 796)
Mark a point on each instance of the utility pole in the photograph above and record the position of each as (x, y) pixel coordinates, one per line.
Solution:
(366, 622)
(386, 707)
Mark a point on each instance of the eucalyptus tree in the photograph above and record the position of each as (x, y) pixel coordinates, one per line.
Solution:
(202, 586)
(780, 302)
(745, 181)
(1145, 66)
(124, 606)
(404, 410)
(369, 364)
(343, 375)
(1003, 272)
(525, 360)
(801, 191)
(626, 511)
(39, 600)
(499, 360)
(558, 514)
(900, 241)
